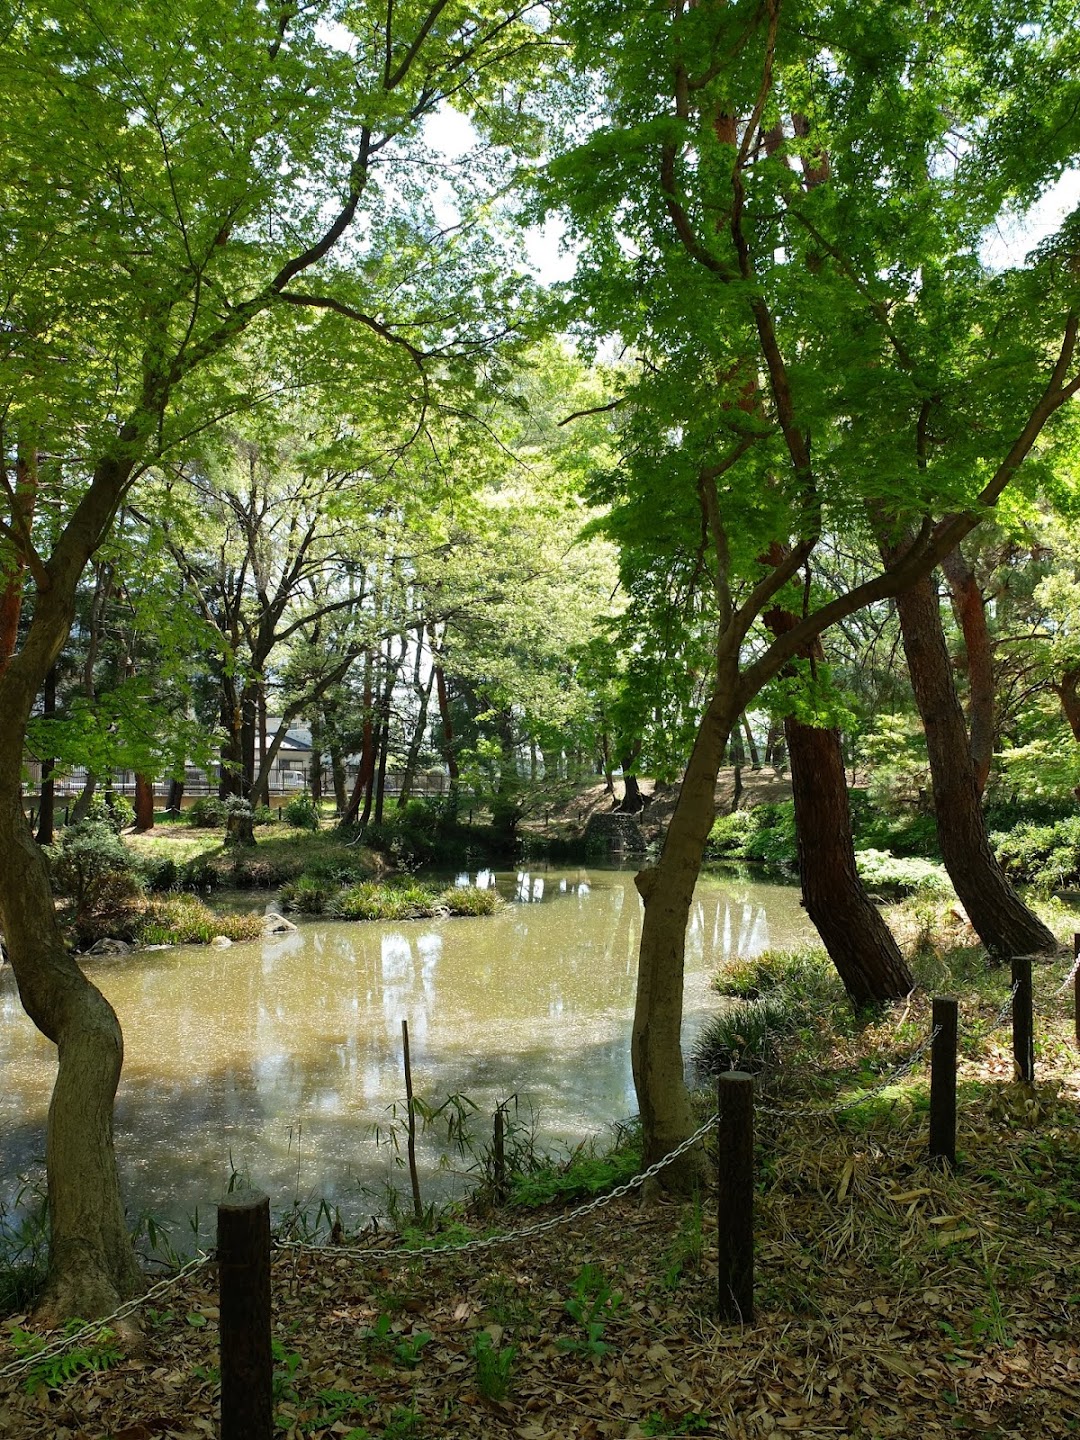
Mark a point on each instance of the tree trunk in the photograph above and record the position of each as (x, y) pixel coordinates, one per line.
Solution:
(144, 803)
(667, 890)
(631, 802)
(859, 943)
(315, 767)
(337, 770)
(362, 784)
(14, 566)
(751, 744)
(1001, 919)
(81, 808)
(176, 797)
(1068, 692)
(412, 759)
(47, 812)
(446, 747)
(91, 1261)
(735, 751)
(969, 608)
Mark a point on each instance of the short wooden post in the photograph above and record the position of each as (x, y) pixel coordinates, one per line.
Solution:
(418, 1204)
(943, 1080)
(67, 808)
(1023, 1023)
(1076, 984)
(735, 1217)
(498, 1155)
(243, 1250)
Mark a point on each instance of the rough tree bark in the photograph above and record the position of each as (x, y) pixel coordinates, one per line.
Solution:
(1001, 919)
(970, 610)
(144, 803)
(860, 944)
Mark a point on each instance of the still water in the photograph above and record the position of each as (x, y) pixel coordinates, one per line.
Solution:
(279, 1058)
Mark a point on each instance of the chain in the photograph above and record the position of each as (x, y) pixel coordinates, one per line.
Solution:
(879, 1089)
(95, 1327)
(999, 1018)
(489, 1242)
(1070, 977)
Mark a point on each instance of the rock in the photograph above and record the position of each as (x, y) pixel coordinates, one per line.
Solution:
(110, 947)
(277, 924)
(221, 942)
(618, 832)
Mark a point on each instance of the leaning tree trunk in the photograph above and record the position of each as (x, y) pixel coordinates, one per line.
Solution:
(1001, 919)
(860, 944)
(47, 812)
(91, 1262)
(668, 891)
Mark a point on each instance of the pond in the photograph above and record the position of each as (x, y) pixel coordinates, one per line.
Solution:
(277, 1059)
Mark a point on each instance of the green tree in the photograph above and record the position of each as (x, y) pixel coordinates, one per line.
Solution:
(773, 214)
(175, 178)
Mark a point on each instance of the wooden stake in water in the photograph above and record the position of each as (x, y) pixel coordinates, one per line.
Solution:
(735, 1216)
(243, 1257)
(943, 1080)
(418, 1204)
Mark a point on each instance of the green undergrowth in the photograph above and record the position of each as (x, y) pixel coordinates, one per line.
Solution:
(404, 899)
(181, 919)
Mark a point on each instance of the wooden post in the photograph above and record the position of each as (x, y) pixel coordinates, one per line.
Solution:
(1023, 1024)
(67, 809)
(735, 1217)
(943, 1081)
(243, 1249)
(498, 1155)
(418, 1204)
(1076, 984)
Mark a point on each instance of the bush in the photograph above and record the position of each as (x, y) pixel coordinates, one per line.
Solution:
(88, 864)
(302, 813)
(765, 833)
(1043, 855)
(879, 870)
(208, 813)
(117, 812)
(729, 835)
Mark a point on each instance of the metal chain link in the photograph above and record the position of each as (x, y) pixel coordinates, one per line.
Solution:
(999, 1018)
(879, 1089)
(95, 1327)
(489, 1242)
(1070, 977)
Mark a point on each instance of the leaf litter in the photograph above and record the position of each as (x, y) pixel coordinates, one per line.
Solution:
(893, 1298)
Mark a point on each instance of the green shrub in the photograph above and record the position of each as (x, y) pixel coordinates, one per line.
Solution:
(302, 813)
(747, 1035)
(88, 863)
(116, 811)
(208, 813)
(729, 835)
(1043, 855)
(881, 871)
(468, 900)
(159, 872)
(766, 834)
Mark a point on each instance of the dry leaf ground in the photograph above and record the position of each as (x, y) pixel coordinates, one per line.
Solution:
(893, 1299)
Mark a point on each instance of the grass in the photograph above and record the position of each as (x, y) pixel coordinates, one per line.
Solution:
(182, 919)
(389, 900)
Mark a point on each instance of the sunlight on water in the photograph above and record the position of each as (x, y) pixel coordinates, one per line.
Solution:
(279, 1058)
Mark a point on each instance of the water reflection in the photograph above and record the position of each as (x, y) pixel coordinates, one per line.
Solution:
(278, 1058)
